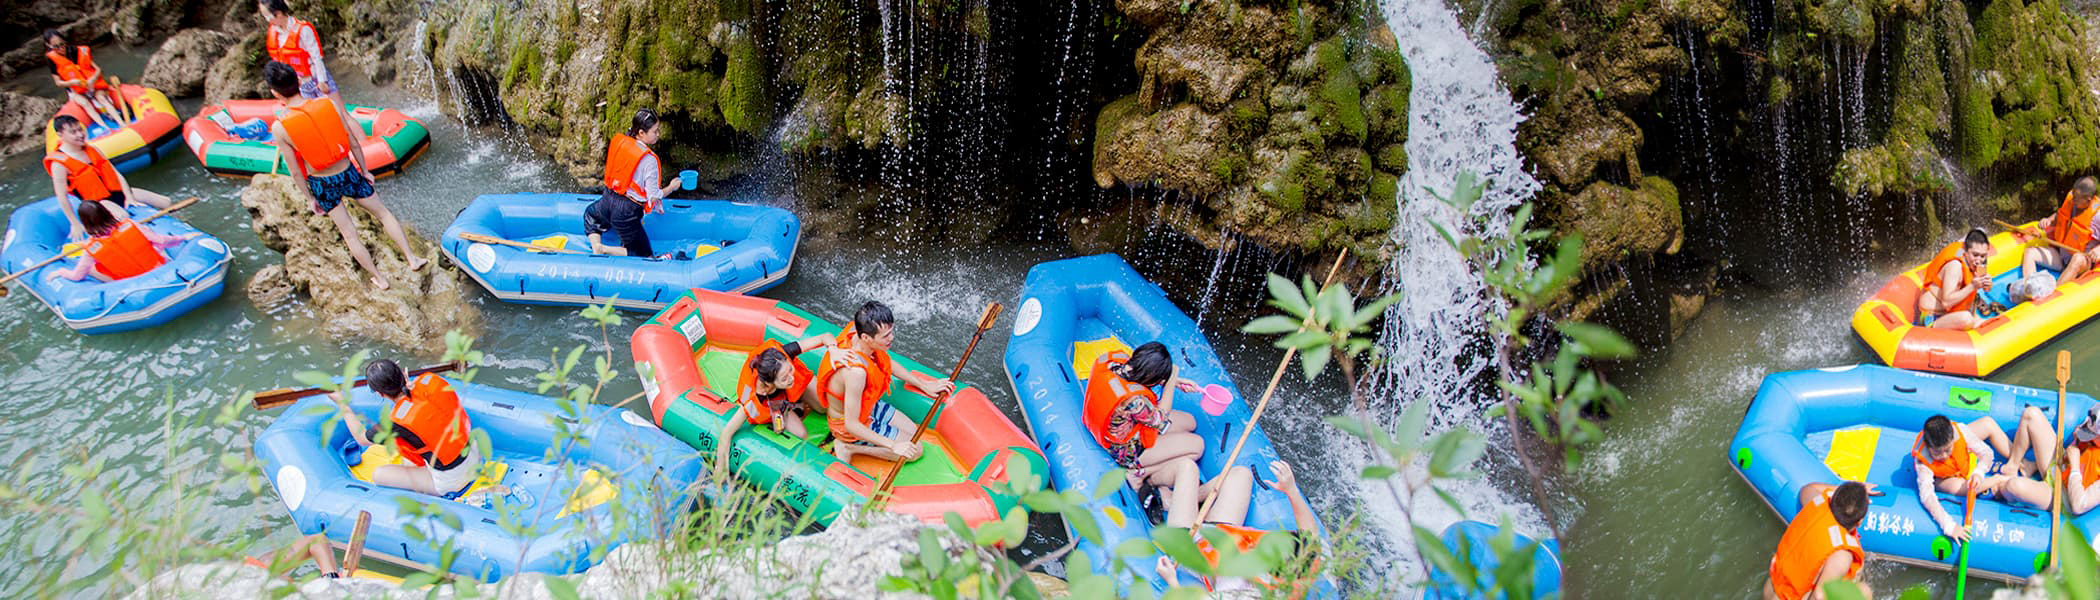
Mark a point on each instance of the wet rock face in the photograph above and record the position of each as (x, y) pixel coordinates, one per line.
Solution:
(180, 67)
(415, 313)
(237, 74)
(22, 119)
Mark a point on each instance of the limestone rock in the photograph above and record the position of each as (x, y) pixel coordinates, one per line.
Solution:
(238, 74)
(271, 287)
(415, 313)
(180, 67)
(22, 119)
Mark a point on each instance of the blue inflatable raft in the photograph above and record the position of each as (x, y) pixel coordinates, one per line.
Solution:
(1473, 541)
(733, 247)
(1073, 310)
(619, 479)
(1858, 424)
(194, 274)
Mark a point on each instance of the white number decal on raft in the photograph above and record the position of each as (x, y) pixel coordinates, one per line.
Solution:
(566, 271)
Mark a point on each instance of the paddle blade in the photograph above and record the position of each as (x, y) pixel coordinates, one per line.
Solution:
(990, 316)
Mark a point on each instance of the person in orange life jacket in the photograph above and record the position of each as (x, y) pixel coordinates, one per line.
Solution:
(855, 377)
(1228, 515)
(772, 389)
(119, 249)
(1953, 457)
(317, 140)
(82, 79)
(80, 171)
(1953, 280)
(632, 173)
(1139, 427)
(429, 429)
(294, 42)
(2082, 465)
(2071, 225)
(1821, 543)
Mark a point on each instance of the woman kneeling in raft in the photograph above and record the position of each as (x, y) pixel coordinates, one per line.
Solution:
(1228, 515)
(632, 173)
(80, 171)
(854, 378)
(772, 389)
(119, 249)
(1953, 280)
(314, 137)
(430, 430)
(1142, 431)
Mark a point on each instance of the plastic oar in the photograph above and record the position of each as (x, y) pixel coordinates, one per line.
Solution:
(984, 322)
(489, 239)
(1961, 568)
(2045, 238)
(2056, 499)
(62, 253)
(357, 543)
(284, 396)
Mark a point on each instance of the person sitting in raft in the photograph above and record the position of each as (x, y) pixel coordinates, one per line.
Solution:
(1141, 429)
(1821, 544)
(1228, 515)
(80, 171)
(632, 176)
(772, 389)
(430, 430)
(2082, 465)
(2071, 225)
(1953, 458)
(1953, 280)
(854, 378)
(82, 80)
(295, 43)
(119, 248)
(314, 137)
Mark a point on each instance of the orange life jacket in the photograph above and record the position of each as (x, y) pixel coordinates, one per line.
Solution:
(1957, 464)
(622, 155)
(1939, 262)
(1244, 539)
(286, 49)
(1105, 392)
(92, 180)
(315, 131)
(2088, 465)
(1808, 542)
(124, 253)
(747, 383)
(2073, 230)
(429, 424)
(841, 357)
(77, 70)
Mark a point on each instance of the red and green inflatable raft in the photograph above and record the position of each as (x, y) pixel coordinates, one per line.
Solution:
(689, 356)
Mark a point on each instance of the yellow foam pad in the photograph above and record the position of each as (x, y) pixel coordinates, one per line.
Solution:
(1115, 515)
(74, 249)
(492, 470)
(1852, 452)
(596, 490)
(557, 242)
(1084, 354)
(704, 250)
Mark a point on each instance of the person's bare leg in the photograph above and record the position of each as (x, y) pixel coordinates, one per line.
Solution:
(392, 227)
(2033, 258)
(1994, 435)
(316, 547)
(150, 197)
(1235, 494)
(1960, 319)
(2027, 490)
(406, 477)
(1180, 422)
(2035, 428)
(2077, 265)
(1164, 474)
(601, 248)
(1183, 500)
(356, 244)
(845, 452)
(88, 106)
(1171, 446)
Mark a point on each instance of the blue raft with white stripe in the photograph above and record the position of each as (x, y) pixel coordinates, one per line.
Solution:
(615, 478)
(195, 273)
(731, 247)
(1071, 311)
(1474, 542)
(1858, 423)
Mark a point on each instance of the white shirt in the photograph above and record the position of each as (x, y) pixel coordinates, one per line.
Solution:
(1928, 493)
(648, 176)
(311, 44)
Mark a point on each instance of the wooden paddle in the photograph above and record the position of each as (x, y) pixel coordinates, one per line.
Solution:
(124, 109)
(62, 253)
(489, 239)
(357, 543)
(284, 396)
(984, 322)
(2056, 498)
(2045, 238)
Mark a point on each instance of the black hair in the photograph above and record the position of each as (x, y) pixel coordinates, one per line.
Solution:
(63, 122)
(1149, 365)
(276, 7)
(52, 33)
(643, 120)
(1849, 504)
(1976, 237)
(1938, 431)
(385, 378)
(768, 364)
(281, 78)
(871, 317)
(94, 218)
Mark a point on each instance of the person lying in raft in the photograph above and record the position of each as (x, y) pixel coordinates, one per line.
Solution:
(1953, 458)
(772, 389)
(119, 249)
(430, 430)
(82, 80)
(1142, 431)
(2082, 465)
(1953, 280)
(295, 43)
(79, 171)
(314, 138)
(2071, 225)
(855, 377)
(1821, 544)
(1228, 515)
(633, 187)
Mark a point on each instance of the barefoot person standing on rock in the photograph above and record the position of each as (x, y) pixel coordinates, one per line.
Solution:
(313, 136)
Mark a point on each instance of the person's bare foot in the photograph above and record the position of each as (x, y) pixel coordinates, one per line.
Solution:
(380, 282)
(415, 263)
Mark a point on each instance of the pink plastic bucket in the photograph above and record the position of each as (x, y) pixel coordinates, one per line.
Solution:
(1216, 399)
